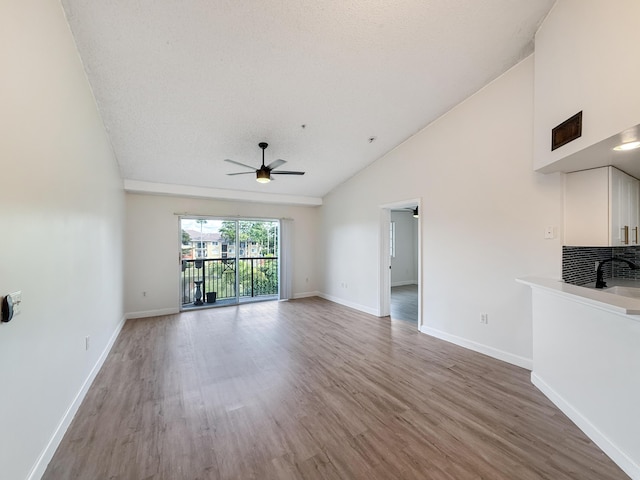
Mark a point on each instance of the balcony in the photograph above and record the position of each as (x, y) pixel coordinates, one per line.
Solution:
(212, 281)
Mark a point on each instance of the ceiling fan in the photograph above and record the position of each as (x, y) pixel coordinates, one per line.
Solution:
(263, 174)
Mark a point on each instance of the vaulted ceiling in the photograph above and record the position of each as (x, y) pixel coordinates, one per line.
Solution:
(183, 85)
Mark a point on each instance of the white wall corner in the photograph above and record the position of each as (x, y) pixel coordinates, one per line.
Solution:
(346, 303)
(630, 467)
(38, 469)
(496, 353)
(306, 294)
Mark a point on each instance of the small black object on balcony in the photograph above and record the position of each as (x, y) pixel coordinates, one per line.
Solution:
(211, 297)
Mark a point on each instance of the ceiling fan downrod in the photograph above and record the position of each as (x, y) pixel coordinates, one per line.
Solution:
(263, 146)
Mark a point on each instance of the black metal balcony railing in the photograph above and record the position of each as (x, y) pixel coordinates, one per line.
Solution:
(210, 279)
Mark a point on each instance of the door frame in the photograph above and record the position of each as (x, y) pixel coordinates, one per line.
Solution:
(384, 258)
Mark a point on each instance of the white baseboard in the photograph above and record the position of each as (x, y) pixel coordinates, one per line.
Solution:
(404, 282)
(479, 347)
(152, 313)
(45, 457)
(621, 459)
(306, 294)
(346, 303)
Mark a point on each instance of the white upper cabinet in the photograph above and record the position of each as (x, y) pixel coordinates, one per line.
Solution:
(586, 61)
(623, 192)
(602, 208)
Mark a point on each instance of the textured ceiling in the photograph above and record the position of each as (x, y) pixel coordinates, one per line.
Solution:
(182, 85)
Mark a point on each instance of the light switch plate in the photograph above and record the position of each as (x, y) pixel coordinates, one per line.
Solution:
(17, 301)
(549, 233)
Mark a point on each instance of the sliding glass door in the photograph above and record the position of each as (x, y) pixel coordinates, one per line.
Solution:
(228, 261)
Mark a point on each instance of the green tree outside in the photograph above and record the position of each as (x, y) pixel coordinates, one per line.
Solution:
(250, 232)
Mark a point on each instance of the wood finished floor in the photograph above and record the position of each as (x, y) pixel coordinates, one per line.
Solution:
(404, 303)
(308, 389)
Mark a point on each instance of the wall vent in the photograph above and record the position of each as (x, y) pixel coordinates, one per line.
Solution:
(567, 131)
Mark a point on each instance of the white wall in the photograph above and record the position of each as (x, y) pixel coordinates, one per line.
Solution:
(585, 62)
(483, 217)
(404, 266)
(152, 246)
(62, 212)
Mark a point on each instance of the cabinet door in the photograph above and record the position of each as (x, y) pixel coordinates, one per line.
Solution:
(625, 205)
(601, 208)
(618, 211)
(634, 211)
(586, 208)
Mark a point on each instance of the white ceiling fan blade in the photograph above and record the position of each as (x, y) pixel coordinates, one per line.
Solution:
(241, 164)
(276, 164)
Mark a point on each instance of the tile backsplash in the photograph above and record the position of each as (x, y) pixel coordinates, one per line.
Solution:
(578, 263)
(620, 270)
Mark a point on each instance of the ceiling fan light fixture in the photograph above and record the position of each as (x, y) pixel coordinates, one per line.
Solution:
(262, 176)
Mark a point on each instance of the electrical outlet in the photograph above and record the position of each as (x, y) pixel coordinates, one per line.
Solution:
(484, 318)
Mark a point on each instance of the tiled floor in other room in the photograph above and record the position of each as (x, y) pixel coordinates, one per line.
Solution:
(404, 303)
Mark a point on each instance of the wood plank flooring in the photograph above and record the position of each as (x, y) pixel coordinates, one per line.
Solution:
(308, 389)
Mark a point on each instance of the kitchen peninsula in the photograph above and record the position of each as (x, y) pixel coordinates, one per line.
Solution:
(586, 359)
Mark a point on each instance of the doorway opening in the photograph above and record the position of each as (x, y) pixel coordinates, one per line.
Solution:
(228, 261)
(400, 262)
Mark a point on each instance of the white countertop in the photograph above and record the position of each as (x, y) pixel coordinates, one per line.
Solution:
(591, 296)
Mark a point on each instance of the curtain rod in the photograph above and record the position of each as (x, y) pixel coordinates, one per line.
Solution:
(196, 215)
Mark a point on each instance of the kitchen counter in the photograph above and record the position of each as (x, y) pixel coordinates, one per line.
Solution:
(586, 359)
(598, 298)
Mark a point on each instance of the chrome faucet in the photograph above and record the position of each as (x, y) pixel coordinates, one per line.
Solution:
(600, 283)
